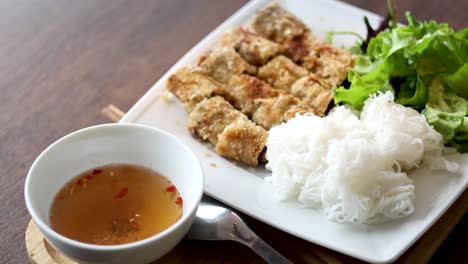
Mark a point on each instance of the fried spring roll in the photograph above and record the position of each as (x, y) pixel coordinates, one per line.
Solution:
(316, 92)
(281, 72)
(242, 141)
(231, 132)
(254, 48)
(243, 90)
(222, 64)
(274, 111)
(300, 109)
(191, 86)
(275, 23)
(300, 50)
(326, 61)
(209, 118)
(332, 64)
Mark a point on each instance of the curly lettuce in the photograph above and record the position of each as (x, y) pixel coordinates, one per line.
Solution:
(425, 64)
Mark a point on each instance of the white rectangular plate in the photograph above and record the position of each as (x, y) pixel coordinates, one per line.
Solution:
(244, 188)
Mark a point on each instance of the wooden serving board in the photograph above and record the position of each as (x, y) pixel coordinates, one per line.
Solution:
(296, 250)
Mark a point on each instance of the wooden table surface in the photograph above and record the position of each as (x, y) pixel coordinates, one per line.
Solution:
(62, 61)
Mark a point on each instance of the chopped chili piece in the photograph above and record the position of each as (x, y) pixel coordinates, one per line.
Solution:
(96, 171)
(202, 59)
(171, 189)
(122, 193)
(179, 201)
(80, 182)
(88, 177)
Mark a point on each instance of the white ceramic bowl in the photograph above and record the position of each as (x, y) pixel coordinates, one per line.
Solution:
(114, 143)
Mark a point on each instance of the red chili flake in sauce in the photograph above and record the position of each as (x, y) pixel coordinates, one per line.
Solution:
(96, 171)
(179, 201)
(171, 188)
(88, 177)
(122, 193)
(80, 182)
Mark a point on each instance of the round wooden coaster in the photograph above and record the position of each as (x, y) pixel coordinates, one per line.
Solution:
(39, 250)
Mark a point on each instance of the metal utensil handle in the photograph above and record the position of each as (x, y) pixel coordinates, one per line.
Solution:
(243, 234)
(266, 252)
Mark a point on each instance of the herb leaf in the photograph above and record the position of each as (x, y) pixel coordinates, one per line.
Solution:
(425, 64)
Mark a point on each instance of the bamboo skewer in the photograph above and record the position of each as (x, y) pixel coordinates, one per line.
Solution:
(112, 112)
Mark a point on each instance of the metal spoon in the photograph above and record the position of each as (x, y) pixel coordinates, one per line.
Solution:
(215, 222)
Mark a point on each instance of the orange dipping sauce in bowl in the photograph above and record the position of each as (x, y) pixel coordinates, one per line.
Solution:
(115, 204)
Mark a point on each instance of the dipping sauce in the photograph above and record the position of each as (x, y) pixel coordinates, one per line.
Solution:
(115, 204)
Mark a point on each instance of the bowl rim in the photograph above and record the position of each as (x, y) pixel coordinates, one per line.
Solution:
(74, 243)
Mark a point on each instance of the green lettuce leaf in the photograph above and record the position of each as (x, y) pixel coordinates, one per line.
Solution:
(458, 81)
(446, 112)
(438, 54)
(460, 140)
(372, 82)
(425, 64)
(413, 92)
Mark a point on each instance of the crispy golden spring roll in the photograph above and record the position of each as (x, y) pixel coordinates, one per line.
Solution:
(326, 61)
(242, 141)
(300, 50)
(231, 132)
(300, 109)
(222, 64)
(230, 39)
(191, 86)
(332, 64)
(254, 48)
(209, 118)
(243, 90)
(281, 72)
(274, 111)
(275, 23)
(316, 92)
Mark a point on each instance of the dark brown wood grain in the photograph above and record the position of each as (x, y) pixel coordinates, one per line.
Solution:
(62, 61)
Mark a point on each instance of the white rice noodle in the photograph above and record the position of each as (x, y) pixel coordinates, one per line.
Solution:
(354, 168)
